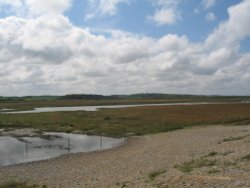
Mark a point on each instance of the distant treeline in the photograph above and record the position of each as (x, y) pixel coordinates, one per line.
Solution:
(133, 96)
(87, 97)
(124, 97)
(121, 97)
(149, 96)
(27, 98)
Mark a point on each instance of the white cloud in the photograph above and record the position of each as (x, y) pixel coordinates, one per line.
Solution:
(164, 16)
(166, 12)
(210, 17)
(208, 3)
(110, 6)
(12, 2)
(32, 8)
(232, 31)
(38, 7)
(8, 6)
(103, 7)
(39, 56)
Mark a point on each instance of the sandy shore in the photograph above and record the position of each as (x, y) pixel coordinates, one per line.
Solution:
(132, 164)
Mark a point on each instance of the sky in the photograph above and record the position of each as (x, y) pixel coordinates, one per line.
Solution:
(53, 47)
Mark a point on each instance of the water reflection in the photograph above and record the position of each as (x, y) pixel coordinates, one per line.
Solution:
(95, 108)
(27, 149)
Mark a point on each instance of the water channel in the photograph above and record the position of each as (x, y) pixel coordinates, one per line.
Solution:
(16, 150)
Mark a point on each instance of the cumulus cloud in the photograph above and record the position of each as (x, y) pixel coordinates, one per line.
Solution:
(12, 3)
(39, 39)
(164, 16)
(8, 7)
(236, 28)
(30, 8)
(38, 56)
(38, 7)
(103, 7)
(166, 12)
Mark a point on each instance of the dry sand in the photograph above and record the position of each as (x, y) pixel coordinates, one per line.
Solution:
(130, 165)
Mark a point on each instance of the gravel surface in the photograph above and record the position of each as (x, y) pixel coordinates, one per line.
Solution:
(149, 161)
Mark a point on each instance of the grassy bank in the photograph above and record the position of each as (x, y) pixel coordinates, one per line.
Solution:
(137, 120)
(19, 185)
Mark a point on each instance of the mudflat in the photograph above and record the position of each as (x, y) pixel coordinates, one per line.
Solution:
(210, 156)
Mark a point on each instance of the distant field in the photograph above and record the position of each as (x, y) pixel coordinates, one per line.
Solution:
(137, 120)
(28, 103)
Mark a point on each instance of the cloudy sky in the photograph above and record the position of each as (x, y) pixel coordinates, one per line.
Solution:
(124, 46)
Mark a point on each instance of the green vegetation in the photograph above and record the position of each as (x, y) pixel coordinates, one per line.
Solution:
(136, 120)
(227, 153)
(211, 154)
(213, 171)
(235, 138)
(121, 185)
(154, 174)
(215, 165)
(18, 185)
(190, 166)
(246, 158)
(30, 102)
(228, 163)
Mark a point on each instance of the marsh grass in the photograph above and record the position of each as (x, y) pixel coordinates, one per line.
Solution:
(246, 158)
(18, 185)
(227, 153)
(122, 184)
(190, 166)
(136, 120)
(155, 174)
(213, 171)
(228, 163)
(235, 138)
(211, 154)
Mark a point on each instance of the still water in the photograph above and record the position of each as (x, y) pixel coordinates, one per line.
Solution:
(50, 145)
(95, 108)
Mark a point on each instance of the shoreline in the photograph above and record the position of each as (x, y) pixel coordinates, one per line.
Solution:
(132, 162)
